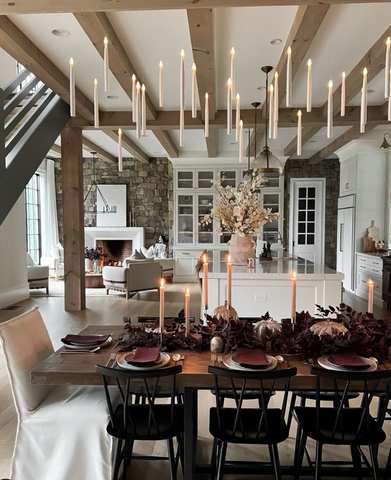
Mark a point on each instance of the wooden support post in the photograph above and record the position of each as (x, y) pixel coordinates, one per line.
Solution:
(72, 186)
(2, 134)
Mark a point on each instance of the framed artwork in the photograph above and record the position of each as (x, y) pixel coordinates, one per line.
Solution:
(111, 198)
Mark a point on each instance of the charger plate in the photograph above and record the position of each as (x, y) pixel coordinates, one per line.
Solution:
(229, 362)
(162, 361)
(325, 362)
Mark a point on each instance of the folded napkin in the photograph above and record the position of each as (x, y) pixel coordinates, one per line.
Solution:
(144, 355)
(84, 339)
(251, 358)
(349, 359)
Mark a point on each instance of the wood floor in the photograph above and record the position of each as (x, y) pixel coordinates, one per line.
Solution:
(106, 310)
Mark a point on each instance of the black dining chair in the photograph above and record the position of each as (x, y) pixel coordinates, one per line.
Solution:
(260, 426)
(150, 421)
(342, 424)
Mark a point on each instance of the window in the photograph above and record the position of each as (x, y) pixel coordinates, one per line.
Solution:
(33, 218)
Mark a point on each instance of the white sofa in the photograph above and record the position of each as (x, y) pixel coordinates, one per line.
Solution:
(37, 275)
(134, 276)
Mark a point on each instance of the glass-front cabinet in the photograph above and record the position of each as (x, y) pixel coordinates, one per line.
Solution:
(205, 233)
(271, 230)
(185, 219)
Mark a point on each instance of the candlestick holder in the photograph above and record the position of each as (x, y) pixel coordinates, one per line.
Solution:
(205, 319)
(293, 322)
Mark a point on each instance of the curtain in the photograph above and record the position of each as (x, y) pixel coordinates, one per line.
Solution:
(49, 211)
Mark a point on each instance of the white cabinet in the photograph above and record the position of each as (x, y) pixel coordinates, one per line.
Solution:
(348, 179)
(369, 267)
(185, 262)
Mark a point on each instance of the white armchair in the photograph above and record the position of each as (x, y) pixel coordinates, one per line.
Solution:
(56, 261)
(37, 275)
(134, 276)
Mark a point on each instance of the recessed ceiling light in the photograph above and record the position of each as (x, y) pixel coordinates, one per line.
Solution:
(60, 32)
(311, 141)
(276, 41)
(261, 87)
(112, 97)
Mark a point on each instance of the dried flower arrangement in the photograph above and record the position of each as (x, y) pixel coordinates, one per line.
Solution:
(96, 253)
(239, 209)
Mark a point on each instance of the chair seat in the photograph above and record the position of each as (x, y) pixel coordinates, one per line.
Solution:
(246, 431)
(370, 434)
(324, 396)
(144, 428)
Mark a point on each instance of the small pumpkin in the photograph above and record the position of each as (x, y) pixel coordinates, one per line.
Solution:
(267, 329)
(328, 327)
(226, 313)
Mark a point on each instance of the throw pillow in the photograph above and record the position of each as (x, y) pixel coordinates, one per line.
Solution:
(137, 256)
(30, 261)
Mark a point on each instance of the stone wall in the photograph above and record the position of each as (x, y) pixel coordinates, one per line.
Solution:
(330, 170)
(149, 193)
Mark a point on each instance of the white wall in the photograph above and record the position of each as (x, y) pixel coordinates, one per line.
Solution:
(13, 269)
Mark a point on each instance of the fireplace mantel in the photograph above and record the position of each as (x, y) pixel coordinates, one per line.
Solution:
(136, 234)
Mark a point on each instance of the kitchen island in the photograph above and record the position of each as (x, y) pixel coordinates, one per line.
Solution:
(268, 287)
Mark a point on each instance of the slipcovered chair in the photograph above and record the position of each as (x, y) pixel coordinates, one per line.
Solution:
(55, 261)
(37, 275)
(61, 431)
(134, 276)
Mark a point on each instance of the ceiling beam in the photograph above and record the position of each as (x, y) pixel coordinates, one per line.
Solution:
(55, 149)
(100, 152)
(167, 143)
(129, 146)
(168, 120)
(22, 49)
(351, 134)
(307, 134)
(202, 40)
(67, 6)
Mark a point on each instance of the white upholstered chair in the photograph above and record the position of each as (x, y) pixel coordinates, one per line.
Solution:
(55, 261)
(61, 432)
(37, 275)
(134, 276)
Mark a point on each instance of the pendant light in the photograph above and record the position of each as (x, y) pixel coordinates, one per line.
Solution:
(265, 162)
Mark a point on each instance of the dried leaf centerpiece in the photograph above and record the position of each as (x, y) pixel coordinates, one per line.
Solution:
(328, 327)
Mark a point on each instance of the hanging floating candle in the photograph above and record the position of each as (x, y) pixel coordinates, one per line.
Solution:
(299, 132)
(134, 99)
(160, 84)
(233, 71)
(119, 150)
(343, 94)
(289, 77)
(309, 85)
(276, 106)
(72, 88)
(138, 110)
(194, 91)
(143, 112)
(387, 69)
(106, 63)
(96, 104)
(229, 106)
(206, 115)
(237, 116)
(330, 111)
(241, 141)
(271, 107)
(363, 109)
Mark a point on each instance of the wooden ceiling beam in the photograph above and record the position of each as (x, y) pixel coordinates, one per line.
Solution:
(22, 49)
(100, 152)
(55, 149)
(128, 145)
(73, 6)
(167, 143)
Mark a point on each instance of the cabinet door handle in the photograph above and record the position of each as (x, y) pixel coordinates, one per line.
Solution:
(341, 235)
(185, 253)
(347, 185)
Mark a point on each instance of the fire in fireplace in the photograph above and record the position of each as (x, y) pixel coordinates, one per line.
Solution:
(116, 250)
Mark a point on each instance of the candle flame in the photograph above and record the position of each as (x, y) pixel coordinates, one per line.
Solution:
(187, 291)
(133, 77)
(138, 85)
(232, 51)
(289, 51)
(241, 124)
(370, 282)
(330, 84)
(194, 67)
(229, 259)
(119, 132)
(143, 88)
(182, 53)
(271, 89)
(237, 96)
(365, 71)
(275, 74)
(299, 113)
(343, 74)
(294, 275)
(205, 258)
(95, 82)
(162, 282)
(309, 63)
(206, 95)
(105, 41)
(229, 83)
(388, 42)
(71, 62)
(161, 64)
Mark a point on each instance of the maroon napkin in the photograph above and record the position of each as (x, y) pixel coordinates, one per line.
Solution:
(144, 355)
(350, 360)
(84, 339)
(251, 358)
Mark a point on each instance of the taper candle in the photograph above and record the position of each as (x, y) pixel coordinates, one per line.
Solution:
(161, 306)
(237, 116)
(289, 77)
(229, 106)
(233, 72)
(206, 115)
(72, 88)
(363, 109)
(299, 141)
(143, 112)
(96, 104)
(293, 309)
(330, 111)
(309, 85)
(370, 296)
(229, 281)
(106, 63)
(134, 99)
(160, 84)
(276, 106)
(343, 94)
(271, 108)
(205, 282)
(194, 91)
(138, 110)
(182, 127)
(241, 141)
(119, 150)
(387, 69)
(389, 103)
(187, 311)
(182, 81)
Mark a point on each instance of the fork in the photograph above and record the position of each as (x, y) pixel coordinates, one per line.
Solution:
(111, 359)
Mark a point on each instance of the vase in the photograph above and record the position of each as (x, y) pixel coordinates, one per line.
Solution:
(241, 249)
(88, 265)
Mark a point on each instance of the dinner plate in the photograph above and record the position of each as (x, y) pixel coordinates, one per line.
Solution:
(235, 361)
(230, 363)
(325, 363)
(88, 346)
(163, 360)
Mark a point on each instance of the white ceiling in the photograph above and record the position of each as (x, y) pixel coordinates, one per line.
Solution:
(345, 35)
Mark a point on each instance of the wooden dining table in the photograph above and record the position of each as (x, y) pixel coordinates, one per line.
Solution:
(79, 369)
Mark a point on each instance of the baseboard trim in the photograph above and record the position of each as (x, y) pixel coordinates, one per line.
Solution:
(14, 295)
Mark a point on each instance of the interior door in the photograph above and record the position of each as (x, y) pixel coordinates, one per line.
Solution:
(307, 219)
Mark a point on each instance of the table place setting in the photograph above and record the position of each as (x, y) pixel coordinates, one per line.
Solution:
(85, 344)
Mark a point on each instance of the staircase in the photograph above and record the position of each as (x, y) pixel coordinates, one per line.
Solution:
(32, 118)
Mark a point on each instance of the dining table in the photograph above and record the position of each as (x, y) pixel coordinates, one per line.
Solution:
(79, 369)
